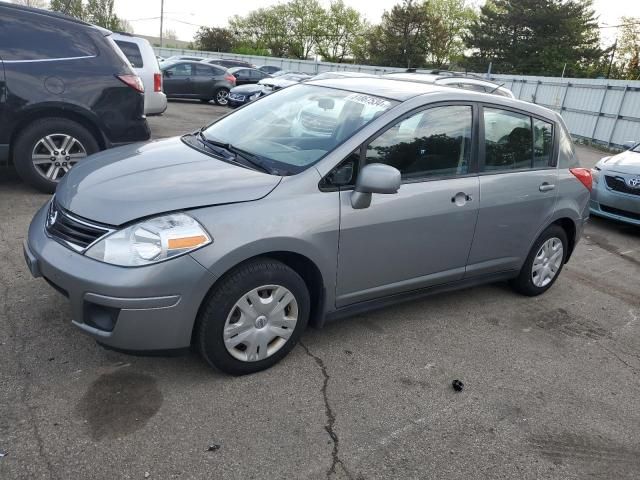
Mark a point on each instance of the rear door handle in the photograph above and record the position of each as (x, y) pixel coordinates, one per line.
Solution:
(546, 187)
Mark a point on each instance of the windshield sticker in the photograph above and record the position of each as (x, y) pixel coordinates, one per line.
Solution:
(365, 99)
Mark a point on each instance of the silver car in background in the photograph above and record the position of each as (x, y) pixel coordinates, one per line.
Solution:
(232, 239)
(616, 192)
(140, 54)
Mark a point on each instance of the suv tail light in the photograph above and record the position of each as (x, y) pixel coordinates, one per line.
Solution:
(584, 175)
(230, 78)
(133, 81)
(157, 82)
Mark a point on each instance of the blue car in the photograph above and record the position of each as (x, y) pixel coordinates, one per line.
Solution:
(238, 96)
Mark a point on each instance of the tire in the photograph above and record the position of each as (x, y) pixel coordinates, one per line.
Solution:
(240, 353)
(220, 96)
(205, 100)
(31, 142)
(530, 284)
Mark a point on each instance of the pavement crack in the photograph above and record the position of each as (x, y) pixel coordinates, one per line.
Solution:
(627, 364)
(331, 418)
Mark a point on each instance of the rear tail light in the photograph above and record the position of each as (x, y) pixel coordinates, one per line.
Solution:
(230, 78)
(133, 81)
(157, 82)
(584, 175)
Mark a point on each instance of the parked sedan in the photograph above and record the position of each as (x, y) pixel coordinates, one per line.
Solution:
(238, 96)
(245, 76)
(226, 63)
(283, 81)
(236, 236)
(616, 192)
(197, 80)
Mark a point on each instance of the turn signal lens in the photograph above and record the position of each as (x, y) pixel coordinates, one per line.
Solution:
(584, 175)
(133, 81)
(186, 242)
(157, 82)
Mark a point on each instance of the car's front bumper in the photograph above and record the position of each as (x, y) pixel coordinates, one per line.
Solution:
(141, 308)
(609, 203)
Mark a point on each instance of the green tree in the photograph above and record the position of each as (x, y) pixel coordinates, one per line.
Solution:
(214, 39)
(450, 23)
(536, 37)
(401, 39)
(304, 19)
(263, 29)
(627, 55)
(100, 12)
(340, 26)
(74, 8)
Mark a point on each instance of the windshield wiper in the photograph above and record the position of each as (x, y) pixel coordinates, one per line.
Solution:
(248, 157)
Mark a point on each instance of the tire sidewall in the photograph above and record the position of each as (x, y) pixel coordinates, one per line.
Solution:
(525, 281)
(215, 96)
(27, 139)
(219, 304)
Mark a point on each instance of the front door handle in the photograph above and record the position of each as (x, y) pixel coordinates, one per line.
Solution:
(546, 187)
(461, 198)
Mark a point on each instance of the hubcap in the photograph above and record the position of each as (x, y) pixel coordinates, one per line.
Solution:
(260, 323)
(222, 97)
(55, 154)
(547, 262)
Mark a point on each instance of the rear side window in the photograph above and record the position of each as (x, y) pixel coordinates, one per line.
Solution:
(132, 52)
(542, 143)
(35, 37)
(204, 71)
(180, 70)
(567, 157)
(432, 143)
(508, 140)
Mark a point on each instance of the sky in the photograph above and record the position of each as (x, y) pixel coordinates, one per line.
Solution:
(184, 16)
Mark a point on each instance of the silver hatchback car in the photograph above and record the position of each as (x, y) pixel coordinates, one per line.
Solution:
(235, 237)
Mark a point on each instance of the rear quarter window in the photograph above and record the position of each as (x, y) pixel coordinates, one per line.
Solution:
(567, 157)
(35, 37)
(132, 52)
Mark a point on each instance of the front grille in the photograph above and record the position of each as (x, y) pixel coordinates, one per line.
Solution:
(70, 230)
(622, 213)
(619, 185)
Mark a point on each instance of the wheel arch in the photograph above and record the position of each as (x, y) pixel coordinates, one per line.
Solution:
(301, 264)
(54, 111)
(569, 226)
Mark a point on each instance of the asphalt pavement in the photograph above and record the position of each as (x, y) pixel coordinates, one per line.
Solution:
(551, 384)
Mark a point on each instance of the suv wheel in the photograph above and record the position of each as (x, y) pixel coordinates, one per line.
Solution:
(253, 318)
(544, 262)
(47, 149)
(221, 96)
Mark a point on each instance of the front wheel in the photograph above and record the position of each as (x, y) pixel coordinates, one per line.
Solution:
(544, 263)
(221, 96)
(253, 318)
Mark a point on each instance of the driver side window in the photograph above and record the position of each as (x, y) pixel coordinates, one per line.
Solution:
(432, 143)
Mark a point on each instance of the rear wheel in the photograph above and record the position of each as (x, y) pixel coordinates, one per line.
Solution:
(48, 148)
(221, 96)
(253, 318)
(544, 262)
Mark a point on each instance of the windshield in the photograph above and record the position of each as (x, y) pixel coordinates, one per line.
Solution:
(294, 128)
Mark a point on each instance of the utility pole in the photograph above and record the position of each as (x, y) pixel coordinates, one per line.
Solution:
(161, 22)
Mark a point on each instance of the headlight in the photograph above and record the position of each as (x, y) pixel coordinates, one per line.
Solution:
(151, 241)
(254, 96)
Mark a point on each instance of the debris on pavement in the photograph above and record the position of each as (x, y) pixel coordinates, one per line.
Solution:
(147, 474)
(457, 385)
(213, 447)
(3, 453)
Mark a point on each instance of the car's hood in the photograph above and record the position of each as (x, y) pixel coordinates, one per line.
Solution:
(247, 89)
(134, 181)
(625, 162)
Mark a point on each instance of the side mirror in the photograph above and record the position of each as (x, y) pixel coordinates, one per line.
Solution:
(374, 178)
(628, 145)
(166, 73)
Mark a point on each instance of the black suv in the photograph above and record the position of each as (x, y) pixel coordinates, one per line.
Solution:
(66, 91)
